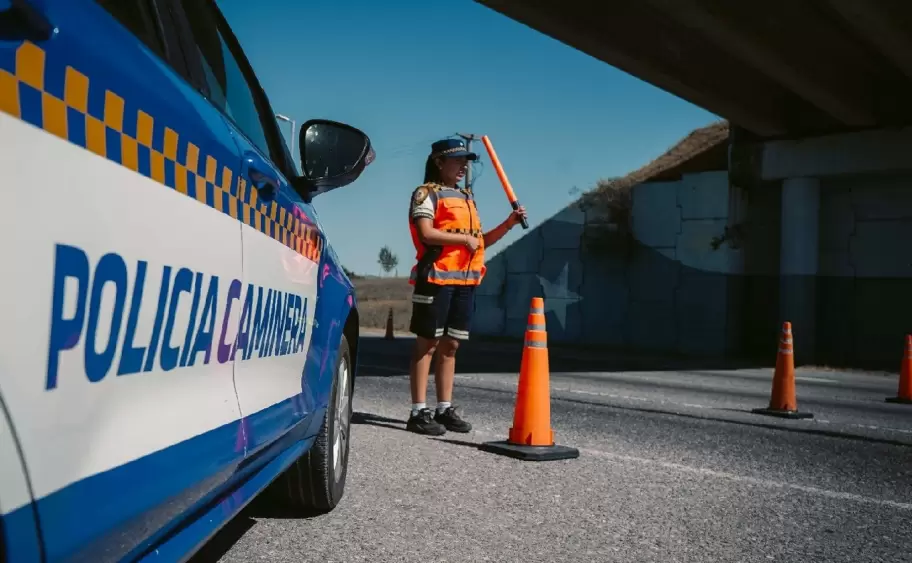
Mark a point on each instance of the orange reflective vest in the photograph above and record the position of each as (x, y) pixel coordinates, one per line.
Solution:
(454, 212)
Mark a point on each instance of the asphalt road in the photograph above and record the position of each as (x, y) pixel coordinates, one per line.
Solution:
(672, 467)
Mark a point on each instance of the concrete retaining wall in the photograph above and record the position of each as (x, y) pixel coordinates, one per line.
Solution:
(864, 287)
(667, 291)
(670, 291)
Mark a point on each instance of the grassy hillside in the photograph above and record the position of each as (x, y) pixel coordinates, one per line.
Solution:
(377, 295)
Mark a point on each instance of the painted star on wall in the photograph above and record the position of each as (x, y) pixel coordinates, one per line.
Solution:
(558, 296)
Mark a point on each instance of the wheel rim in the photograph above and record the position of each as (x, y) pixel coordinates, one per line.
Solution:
(341, 420)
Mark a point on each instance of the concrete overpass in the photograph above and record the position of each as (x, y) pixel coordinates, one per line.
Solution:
(818, 94)
(776, 68)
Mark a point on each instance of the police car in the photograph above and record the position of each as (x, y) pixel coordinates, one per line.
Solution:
(176, 333)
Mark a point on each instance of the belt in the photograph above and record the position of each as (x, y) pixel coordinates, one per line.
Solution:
(473, 232)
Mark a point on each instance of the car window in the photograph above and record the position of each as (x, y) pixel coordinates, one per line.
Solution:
(290, 158)
(137, 16)
(228, 89)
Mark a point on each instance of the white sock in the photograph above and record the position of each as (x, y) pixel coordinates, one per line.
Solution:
(442, 406)
(417, 407)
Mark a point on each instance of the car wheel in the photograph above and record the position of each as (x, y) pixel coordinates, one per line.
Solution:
(315, 483)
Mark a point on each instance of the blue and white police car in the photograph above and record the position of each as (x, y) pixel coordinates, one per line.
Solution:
(176, 333)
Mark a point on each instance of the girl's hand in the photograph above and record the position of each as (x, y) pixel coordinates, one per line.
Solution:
(517, 216)
(471, 243)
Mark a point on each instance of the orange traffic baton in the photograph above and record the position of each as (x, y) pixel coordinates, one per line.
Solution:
(531, 437)
(504, 181)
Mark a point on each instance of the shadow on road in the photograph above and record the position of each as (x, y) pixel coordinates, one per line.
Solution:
(472, 445)
(376, 420)
(263, 507)
(390, 358)
(384, 422)
(224, 540)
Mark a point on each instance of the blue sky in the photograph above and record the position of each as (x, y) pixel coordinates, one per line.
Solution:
(409, 72)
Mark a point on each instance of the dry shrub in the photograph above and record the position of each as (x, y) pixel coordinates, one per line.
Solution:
(609, 205)
(376, 296)
(383, 289)
(373, 314)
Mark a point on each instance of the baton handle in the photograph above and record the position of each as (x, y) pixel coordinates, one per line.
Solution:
(522, 220)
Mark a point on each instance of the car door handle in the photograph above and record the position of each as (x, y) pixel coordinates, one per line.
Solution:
(23, 20)
(260, 175)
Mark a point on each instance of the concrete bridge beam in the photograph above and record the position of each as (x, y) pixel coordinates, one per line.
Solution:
(842, 99)
(864, 152)
(887, 34)
(779, 69)
(613, 32)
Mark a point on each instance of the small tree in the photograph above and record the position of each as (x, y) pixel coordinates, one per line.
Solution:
(387, 259)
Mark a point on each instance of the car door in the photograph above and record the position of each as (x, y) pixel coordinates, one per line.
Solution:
(120, 261)
(19, 539)
(281, 244)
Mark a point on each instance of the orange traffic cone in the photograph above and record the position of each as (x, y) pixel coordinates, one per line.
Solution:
(389, 325)
(782, 399)
(531, 437)
(904, 393)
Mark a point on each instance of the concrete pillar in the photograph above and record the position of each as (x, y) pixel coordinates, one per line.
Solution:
(735, 313)
(798, 263)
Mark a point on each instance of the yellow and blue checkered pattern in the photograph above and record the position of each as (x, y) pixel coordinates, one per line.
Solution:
(195, 175)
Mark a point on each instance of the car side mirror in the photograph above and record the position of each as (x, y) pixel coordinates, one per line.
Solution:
(333, 155)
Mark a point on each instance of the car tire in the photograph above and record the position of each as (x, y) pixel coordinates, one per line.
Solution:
(315, 483)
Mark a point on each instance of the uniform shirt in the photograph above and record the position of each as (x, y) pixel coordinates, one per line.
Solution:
(424, 204)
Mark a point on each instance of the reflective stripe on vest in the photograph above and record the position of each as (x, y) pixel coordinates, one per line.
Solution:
(455, 212)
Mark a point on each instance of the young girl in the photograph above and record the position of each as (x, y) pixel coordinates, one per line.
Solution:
(449, 243)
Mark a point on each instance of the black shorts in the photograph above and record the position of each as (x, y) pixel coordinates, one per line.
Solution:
(439, 310)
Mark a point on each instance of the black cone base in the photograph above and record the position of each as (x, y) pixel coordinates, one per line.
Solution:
(530, 453)
(782, 413)
(899, 400)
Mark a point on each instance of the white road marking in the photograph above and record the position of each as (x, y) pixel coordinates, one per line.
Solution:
(870, 427)
(568, 389)
(751, 480)
(837, 495)
(818, 379)
(582, 392)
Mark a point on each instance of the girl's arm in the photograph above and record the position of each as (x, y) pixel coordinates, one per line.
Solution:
(435, 237)
(499, 231)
